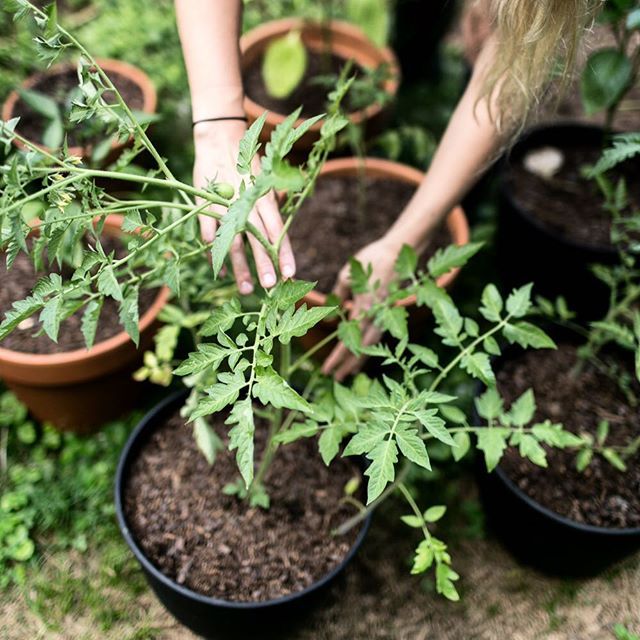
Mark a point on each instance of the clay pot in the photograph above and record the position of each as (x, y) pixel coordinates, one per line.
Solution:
(347, 42)
(80, 390)
(386, 169)
(133, 74)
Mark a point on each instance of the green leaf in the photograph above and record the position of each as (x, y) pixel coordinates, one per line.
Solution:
(584, 458)
(287, 293)
(53, 135)
(423, 558)
(529, 448)
(21, 310)
(51, 316)
(329, 443)
(493, 442)
(368, 437)
(412, 446)
(223, 393)
(478, 365)
(297, 431)
(453, 414)
(41, 103)
(462, 443)
(90, 321)
(284, 64)
(350, 335)
(452, 257)
(434, 514)
(394, 320)
(241, 438)
(407, 263)
(449, 320)
(108, 285)
(221, 319)
(425, 355)
(207, 356)
(444, 582)
(412, 521)
(492, 304)
(381, 471)
(614, 459)
(523, 409)
(297, 323)
(207, 440)
(129, 315)
(555, 436)
(489, 404)
(249, 145)
(434, 425)
(372, 16)
(528, 335)
(519, 301)
(271, 389)
(605, 79)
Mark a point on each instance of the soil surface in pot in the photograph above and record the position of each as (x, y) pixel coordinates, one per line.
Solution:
(213, 543)
(17, 284)
(330, 228)
(311, 93)
(60, 87)
(569, 204)
(600, 495)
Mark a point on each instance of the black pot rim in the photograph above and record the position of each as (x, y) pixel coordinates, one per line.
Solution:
(507, 192)
(148, 566)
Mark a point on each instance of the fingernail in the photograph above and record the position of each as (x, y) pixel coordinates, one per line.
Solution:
(268, 279)
(246, 288)
(288, 271)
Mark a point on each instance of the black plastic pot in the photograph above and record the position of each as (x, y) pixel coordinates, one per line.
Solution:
(530, 252)
(538, 536)
(544, 539)
(211, 617)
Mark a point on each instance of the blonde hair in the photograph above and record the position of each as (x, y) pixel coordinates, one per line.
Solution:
(534, 39)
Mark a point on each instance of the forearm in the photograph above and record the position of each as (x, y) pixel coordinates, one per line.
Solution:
(209, 33)
(465, 151)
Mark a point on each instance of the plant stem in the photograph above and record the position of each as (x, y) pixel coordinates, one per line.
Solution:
(309, 354)
(414, 507)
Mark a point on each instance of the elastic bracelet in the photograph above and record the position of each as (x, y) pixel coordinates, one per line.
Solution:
(243, 118)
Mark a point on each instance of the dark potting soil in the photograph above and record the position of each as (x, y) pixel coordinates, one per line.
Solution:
(569, 204)
(215, 544)
(328, 230)
(311, 93)
(58, 87)
(601, 495)
(17, 284)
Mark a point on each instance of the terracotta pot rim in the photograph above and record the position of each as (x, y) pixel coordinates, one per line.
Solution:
(82, 356)
(276, 28)
(456, 220)
(131, 72)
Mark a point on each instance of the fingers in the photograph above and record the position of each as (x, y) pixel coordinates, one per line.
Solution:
(264, 266)
(208, 228)
(346, 363)
(240, 266)
(343, 284)
(272, 220)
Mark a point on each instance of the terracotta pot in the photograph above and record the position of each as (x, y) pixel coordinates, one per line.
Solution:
(347, 42)
(133, 74)
(82, 389)
(377, 168)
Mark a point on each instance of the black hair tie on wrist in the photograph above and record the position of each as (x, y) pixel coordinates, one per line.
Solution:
(243, 118)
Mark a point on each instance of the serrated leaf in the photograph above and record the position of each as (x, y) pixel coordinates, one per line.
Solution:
(528, 335)
(108, 285)
(366, 439)
(412, 446)
(435, 426)
(89, 322)
(207, 440)
(423, 558)
(329, 443)
(489, 405)
(289, 292)
(406, 263)
(350, 334)
(249, 145)
(20, 310)
(51, 316)
(381, 471)
(241, 438)
(207, 356)
(452, 257)
(523, 409)
(394, 320)
(298, 323)
(425, 355)
(529, 448)
(492, 304)
(220, 395)
(271, 389)
(221, 319)
(129, 315)
(478, 365)
(492, 441)
(519, 301)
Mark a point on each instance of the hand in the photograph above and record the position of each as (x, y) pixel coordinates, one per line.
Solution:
(216, 145)
(381, 255)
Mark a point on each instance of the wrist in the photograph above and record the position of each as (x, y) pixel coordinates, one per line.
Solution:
(219, 132)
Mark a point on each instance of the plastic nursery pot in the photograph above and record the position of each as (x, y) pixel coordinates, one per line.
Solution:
(11, 106)
(528, 251)
(540, 537)
(377, 168)
(347, 42)
(82, 389)
(211, 617)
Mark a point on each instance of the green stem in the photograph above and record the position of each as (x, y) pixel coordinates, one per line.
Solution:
(311, 352)
(414, 507)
